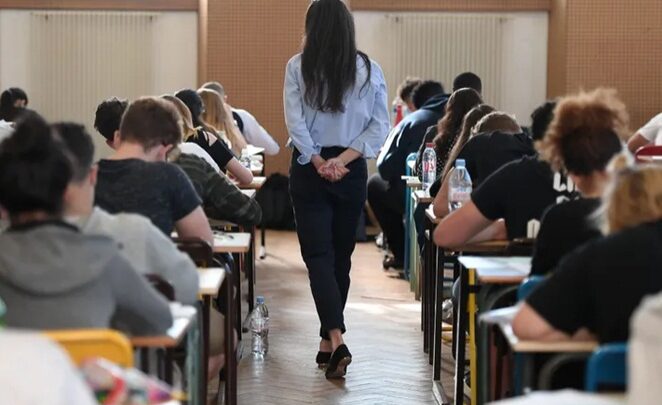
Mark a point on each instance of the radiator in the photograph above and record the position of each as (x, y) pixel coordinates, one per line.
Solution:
(437, 46)
(78, 59)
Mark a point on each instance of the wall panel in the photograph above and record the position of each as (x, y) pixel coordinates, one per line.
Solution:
(450, 5)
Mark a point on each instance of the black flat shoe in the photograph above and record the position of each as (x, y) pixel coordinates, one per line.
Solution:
(340, 359)
(391, 263)
(322, 359)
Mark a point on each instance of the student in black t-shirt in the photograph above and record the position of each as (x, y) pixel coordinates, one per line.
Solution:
(594, 290)
(137, 179)
(518, 193)
(585, 134)
(207, 138)
(500, 140)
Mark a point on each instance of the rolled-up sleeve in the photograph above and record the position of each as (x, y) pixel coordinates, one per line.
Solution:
(294, 116)
(372, 138)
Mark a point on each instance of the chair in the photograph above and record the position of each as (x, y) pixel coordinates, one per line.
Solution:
(199, 250)
(647, 153)
(528, 285)
(82, 344)
(607, 366)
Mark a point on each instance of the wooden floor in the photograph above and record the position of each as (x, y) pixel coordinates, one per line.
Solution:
(383, 321)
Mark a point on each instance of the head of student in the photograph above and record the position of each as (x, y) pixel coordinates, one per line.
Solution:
(634, 195)
(405, 90)
(107, 119)
(584, 136)
(468, 79)
(497, 121)
(195, 105)
(328, 59)
(467, 130)
(79, 195)
(217, 87)
(12, 101)
(34, 172)
(153, 124)
(458, 105)
(188, 129)
(541, 117)
(424, 91)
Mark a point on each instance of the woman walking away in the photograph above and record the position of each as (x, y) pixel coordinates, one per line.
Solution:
(337, 116)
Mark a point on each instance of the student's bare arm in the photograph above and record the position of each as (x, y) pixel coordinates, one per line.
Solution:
(529, 325)
(496, 231)
(241, 173)
(460, 226)
(636, 141)
(440, 204)
(195, 225)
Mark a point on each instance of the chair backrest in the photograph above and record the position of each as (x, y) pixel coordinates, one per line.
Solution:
(528, 285)
(82, 344)
(161, 285)
(607, 366)
(199, 250)
(647, 151)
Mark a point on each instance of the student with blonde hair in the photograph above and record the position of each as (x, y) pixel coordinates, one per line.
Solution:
(217, 114)
(594, 290)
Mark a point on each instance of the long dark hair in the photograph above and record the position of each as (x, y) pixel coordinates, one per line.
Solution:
(448, 128)
(328, 61)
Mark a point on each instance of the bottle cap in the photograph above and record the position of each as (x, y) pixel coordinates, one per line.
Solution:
(260, 299)
(459, 163)
(429, 145)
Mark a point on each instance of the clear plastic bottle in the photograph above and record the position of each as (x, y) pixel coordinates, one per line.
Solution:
(459, 186)
(260, 329)
(429, 166)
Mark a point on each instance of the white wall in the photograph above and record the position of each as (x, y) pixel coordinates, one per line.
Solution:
(523, 56)
(173, 62)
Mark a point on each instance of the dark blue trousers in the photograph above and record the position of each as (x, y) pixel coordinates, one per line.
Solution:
(326, 216)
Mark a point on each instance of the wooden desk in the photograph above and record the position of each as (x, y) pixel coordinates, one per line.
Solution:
(183, 317)
(422, 197)
(234, 242)
(499, 269)
(412, 182)
(210, 280)
(256, 184)
(251, 150)
(533, 346)
(250, 193)
(429, 213)
(565, 397)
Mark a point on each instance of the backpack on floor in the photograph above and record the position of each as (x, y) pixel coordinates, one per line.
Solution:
(274, 199)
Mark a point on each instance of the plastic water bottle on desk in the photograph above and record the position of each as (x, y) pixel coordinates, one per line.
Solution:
(260, 329)
(459, 186)
(429, 166)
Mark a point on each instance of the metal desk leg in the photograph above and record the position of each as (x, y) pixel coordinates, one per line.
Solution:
(460, 336)
(236, 277)
(439, 300)
(263, 243)
(230, 352)
(206, 309)
(250, 271)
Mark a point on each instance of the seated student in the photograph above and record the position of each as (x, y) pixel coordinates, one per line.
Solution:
(51, 275)
(594, 290)
(499, 140)
(136, 178)
(386, 188)
(252, 131)
(107, 120)
(404, 93)
(208, 140)
(141, 243)
(651, 133)
(221, 198)
(12, 102)
(189, 148)
(584, 136)
(35, 370)
(218, 115)
(448, 128)
(518, 192)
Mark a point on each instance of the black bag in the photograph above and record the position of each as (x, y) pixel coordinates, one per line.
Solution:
(274, 199)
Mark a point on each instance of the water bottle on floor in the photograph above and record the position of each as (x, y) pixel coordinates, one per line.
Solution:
(429, 167)
(459, 186)
(260, 329)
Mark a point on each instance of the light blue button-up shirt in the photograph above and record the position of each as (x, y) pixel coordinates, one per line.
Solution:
(363, 126)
